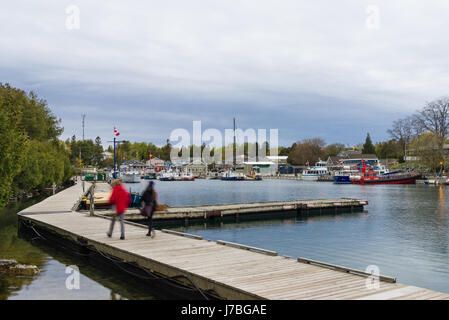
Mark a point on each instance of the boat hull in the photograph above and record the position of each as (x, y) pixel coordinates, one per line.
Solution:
(131, 178)
(232, 178)
(309, 178)
(390, 180)
(342, 180)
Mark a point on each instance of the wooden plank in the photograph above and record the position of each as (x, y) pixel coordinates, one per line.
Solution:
(244, 247)
(192, 236)
(345, 269)
(315, 292)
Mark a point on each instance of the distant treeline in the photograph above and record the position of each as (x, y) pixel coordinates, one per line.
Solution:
(310, 150)
(301, 152)
(85, 152)
(91, 153)
(31, 155)
(141, 150)
(421, 135)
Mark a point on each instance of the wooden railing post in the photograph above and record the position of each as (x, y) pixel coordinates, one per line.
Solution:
(92, 204)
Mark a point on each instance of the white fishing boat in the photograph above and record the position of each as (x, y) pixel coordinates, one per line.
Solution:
(187, 177)
(167, 176)
(233, 176)
(312, 173)
(177, 176)
(130, 176)
(345, 175)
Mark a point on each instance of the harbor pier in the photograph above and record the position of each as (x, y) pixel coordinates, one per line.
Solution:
(219, 269)
(277, 209)
(239, 210)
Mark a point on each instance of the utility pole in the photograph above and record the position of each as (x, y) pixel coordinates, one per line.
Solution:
(83, 116)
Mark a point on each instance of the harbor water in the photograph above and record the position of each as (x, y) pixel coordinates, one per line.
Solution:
(404, 232)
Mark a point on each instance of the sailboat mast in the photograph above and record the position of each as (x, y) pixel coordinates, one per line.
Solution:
(234, 148)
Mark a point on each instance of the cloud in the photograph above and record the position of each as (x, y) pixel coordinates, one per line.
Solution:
(306, 68)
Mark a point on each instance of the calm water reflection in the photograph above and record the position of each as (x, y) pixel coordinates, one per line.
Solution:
(403, 230)
(98, 279)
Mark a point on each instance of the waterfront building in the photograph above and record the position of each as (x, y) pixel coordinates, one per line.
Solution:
(290, 169)
(107, 155)
(197, 168)
(156, 164)
(265, 168)
(133, 164)
(277, 159)
(334, 163)
(356, 159)
(337, 162)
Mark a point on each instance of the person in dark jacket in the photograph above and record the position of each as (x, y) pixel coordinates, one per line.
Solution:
(149, 198)
(121, 198)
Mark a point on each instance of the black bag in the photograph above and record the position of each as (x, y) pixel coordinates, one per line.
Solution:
(146, 211)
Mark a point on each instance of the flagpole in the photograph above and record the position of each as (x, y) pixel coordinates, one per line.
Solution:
(115, 167)
(116, 133)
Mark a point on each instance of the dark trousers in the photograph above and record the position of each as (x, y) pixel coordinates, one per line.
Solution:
(122, 225)
(149, 213)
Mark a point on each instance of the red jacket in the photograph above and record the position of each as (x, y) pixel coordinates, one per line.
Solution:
(121, 198)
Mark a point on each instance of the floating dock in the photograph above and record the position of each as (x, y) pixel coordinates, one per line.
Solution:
(238, 210)
(219, 269)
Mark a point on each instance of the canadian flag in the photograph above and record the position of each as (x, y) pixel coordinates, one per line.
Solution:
(116, 131)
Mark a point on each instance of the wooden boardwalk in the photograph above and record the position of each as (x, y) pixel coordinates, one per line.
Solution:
(227, 270)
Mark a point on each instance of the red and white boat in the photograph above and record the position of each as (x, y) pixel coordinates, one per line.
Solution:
(369, 176)
(187, 177)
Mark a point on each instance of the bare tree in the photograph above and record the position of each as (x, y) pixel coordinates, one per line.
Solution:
(404, 130)
(401, 130)
(435, 118)
(307, 151)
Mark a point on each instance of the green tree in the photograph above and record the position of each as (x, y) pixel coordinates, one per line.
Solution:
(98, 151)
(13, 142)
(31, 156)
(390, 149)
(333, 149)
(427, 149)
(368, 147)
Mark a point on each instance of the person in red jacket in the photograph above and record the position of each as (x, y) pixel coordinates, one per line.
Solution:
(121, 198)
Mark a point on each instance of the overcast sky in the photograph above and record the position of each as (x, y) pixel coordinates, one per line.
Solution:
(322, 68)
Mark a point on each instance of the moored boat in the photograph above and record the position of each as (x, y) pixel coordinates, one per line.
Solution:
(312, 173)
(130, 177)
(368, 176)
(342, 178)
(167, 176)
(187, 177)
(233, 176)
